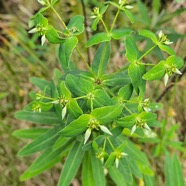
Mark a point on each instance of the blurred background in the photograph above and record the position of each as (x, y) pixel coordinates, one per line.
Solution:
(22, 56)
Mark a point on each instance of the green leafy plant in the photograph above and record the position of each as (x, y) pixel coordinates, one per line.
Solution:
(92, 116)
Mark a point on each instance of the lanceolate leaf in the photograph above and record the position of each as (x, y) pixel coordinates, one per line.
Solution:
(41, 84)
(65, 52)
(48, 118)
(53, 36)
(127, 121)
(178, 176)
(167, 49)
(175, 60)
(150, 35)
(31, 133)
(72, 164)
(173, 171)
(98, 171)
(107, 114)
(41, 143)
(101, 98)
(136, 72)
(125, 170)
(147, 116)
(117, 176)
(157, 72)
(74, 109)
(98, 38)
(144, 12)
(76, 23)
(45, 161)
(132, 52)
(118, 34)
(101, 59)
(87, 174)
(129, 15)
(63, 90)
(79, 86)
(125, 92)
(77, 126)
(149, 180)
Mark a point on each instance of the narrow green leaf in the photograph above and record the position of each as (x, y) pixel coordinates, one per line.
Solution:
(113, 4)
(87, 174)
(117, 176)
(150, 35)
(157, 72)
(148, 116)
(136, 72)
(144, 12)
(127, 121)
(126, 92)
(101, 98)
(125, 170)
(101, 58)
(63, 90)
(31, 133)
(134, 167)
(65, 52)
(167, 49)
(39, 19)
(149, 180)
(48, 118)
(41, 143)
(98, 171)
(77, 126)
(52, 36)
(178, 173)
(117, 79)
(72, 164)
(95, 23)
(129, 15)
(79, 86)
(169, 171)
(61, 141)
(175, 60)
(107, 114)
(45, 161)
(41, 84)
(77, 23)
(74, 109)
(98, 38)
(119, 33)
(110, 160)
(132, 52)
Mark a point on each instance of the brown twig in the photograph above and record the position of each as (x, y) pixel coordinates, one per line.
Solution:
(173, 80)
(86, 32)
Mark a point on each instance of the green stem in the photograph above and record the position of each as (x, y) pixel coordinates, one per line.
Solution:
(104, 145)
(146, 52)
(63, 23)
(115, 18)
(80, 97)
(111, 144)
(104, 25)
(91, 105)
(83, 59)
(86, 64)
(107, 90)
(128, 109)
(147, 64)
(121, 69)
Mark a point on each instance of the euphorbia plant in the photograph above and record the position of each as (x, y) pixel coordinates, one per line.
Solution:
(91, 116)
